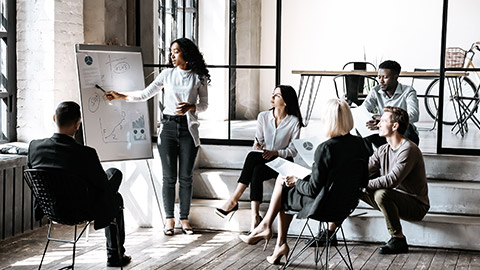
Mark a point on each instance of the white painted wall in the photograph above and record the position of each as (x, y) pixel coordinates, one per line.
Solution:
(323, 35)
(46, 34)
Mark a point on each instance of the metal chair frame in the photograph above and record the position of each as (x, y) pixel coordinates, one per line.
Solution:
(312, 239)
(30, 178)
(336, 205)
(74, 242)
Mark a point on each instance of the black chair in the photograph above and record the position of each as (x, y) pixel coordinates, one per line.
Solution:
(63, 198)
(354, 86)
(360, 66)
(337, 204)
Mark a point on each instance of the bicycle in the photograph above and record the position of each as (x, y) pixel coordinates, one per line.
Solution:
(466, 91)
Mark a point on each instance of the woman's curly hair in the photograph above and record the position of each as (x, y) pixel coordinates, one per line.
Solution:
(193, 57)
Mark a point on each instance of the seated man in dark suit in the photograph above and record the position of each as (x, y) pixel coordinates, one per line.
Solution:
(62, 152)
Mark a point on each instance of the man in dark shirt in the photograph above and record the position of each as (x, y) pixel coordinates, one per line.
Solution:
(62, 152)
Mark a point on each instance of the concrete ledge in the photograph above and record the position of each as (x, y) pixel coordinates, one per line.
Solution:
(440, 167)
(445, 231)
(450, 197)
(462, 196)
(221, 183)
(452, 167)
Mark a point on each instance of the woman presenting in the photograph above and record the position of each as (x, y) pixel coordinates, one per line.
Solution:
(276, 128)
(332, 157)
(185, 87)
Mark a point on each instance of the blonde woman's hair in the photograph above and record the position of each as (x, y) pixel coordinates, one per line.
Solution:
(338, 118)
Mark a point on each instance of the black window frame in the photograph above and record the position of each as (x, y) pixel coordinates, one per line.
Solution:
(9, 80)
(232, 65)
(440, 148)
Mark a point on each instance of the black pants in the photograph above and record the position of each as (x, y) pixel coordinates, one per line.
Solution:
(114, 180)
(255, 172)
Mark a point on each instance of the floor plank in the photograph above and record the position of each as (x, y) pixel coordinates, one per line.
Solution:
(413, 257)
(150, 249)
(425, 259)
(463, 261)
(451, 259)
(474, 262)
(363, 258)
(399, 262)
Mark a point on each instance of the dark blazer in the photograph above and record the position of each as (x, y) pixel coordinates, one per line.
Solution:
(62, 152)
(332, 160)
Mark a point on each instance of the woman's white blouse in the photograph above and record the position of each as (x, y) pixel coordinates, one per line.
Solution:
(180, 86)
(278, 138)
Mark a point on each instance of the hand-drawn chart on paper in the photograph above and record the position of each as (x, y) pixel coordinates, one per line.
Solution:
(118, 130)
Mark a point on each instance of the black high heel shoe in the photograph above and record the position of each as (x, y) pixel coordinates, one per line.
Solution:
(222, 213)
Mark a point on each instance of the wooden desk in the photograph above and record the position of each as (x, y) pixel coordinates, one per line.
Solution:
(314, 78)
(411, 74)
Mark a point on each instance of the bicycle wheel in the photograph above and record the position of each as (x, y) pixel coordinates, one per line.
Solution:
(450, 106)
(474, 103)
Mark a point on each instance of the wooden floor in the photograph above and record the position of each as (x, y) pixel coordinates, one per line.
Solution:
(150, 249)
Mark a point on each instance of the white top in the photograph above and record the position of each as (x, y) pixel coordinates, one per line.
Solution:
(180, 86)
(278, 138)
(404, 97)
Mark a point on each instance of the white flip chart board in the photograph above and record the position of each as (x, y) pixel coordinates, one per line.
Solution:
(118, 130)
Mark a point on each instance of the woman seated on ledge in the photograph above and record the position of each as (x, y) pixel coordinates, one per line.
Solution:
(290, 193)
(276, 128)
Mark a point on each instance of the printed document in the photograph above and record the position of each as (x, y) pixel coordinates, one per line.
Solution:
(288, 168)
(360, 118)
(306, 148)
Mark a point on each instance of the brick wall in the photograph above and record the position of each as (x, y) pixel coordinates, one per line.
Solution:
(46, 33)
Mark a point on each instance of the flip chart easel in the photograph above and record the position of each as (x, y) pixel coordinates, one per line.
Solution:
(118, 130)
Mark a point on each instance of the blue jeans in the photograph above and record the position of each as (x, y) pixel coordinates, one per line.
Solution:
(176, 142)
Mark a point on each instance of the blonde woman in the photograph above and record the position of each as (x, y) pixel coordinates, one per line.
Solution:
(291, 193)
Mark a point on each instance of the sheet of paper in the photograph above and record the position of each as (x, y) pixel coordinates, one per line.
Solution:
(288, 168)
(306, 148)
(360, 117)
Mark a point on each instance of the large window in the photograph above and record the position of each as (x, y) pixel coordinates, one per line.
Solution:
(240, 45)
(177, 18)
(7, 71)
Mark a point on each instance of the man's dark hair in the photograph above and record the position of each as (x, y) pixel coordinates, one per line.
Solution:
(67, 113)
(392, 65)
(399, 116)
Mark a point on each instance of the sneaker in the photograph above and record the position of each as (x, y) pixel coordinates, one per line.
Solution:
(323, 239)
(395, 245)
(115, 262)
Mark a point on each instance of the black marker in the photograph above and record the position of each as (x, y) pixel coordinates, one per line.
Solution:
(98, 86)
(103, 90)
